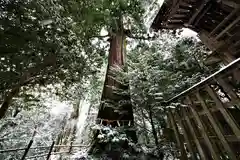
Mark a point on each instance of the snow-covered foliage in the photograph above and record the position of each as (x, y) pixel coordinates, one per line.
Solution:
(108, 134)
(159, 70)
(64, 56)
(16, 132)
(116, 140)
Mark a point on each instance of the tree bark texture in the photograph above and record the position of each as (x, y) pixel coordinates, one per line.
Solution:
(116, 58)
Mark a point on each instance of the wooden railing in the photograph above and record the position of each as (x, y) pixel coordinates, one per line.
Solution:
(205, 118)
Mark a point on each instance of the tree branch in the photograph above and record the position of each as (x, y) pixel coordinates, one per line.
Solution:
(28, 76)
(130, 35)
(142, 37)
(104, 36)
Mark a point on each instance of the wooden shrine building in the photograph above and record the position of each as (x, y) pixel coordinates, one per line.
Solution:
(206, 117)
(216, 21)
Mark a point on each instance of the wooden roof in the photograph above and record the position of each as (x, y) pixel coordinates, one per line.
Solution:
(216, 21)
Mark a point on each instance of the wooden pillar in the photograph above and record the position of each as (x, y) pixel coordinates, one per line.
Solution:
(211, 146)
(50, 151)
(200, 150)
(177, 135)
(228, 117)
(189, 145)
(27, 149)
(216, 128)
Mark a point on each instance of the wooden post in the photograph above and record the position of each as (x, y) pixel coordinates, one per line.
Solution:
(50, 151)
(27, 149)
(178, 138)
(216, 128)
(228, 117)
(211, 146)
(189, 145)
(200, 150)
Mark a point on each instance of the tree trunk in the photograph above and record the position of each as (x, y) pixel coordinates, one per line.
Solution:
(154, 132)
(7, 101)
(107, 114)
(116, 58)
(144, 126)
(26, 78)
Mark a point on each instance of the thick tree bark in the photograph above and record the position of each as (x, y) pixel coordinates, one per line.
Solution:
(154, 132)
(106, 113)
(116, 58)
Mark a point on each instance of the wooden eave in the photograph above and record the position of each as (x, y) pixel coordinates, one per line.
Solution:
(217, 22)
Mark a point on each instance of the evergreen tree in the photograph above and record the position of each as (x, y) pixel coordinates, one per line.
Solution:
(159, 70)
(53, 48)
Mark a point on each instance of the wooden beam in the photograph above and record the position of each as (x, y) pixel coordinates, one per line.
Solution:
(202, 14)
(210, 42)
(185, 134)
(178, 138)
(203, 112)
(175, 21)
(186, 4)
(195, 139)
(216, 128)
(179, 16)
(228, 117)
(207, 80)
(173, 10)
(211, 146)
(227, 28)
(197, 12)
(181, 10)
(224, 21)
(171, 26)
(229, 138)
(41, 155)
(229, 3)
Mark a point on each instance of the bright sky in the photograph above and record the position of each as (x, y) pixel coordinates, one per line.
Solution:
(58, 107)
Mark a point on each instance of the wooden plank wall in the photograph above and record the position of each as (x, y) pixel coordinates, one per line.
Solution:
(206, 118)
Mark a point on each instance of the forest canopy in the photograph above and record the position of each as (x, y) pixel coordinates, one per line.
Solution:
(53, 50)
